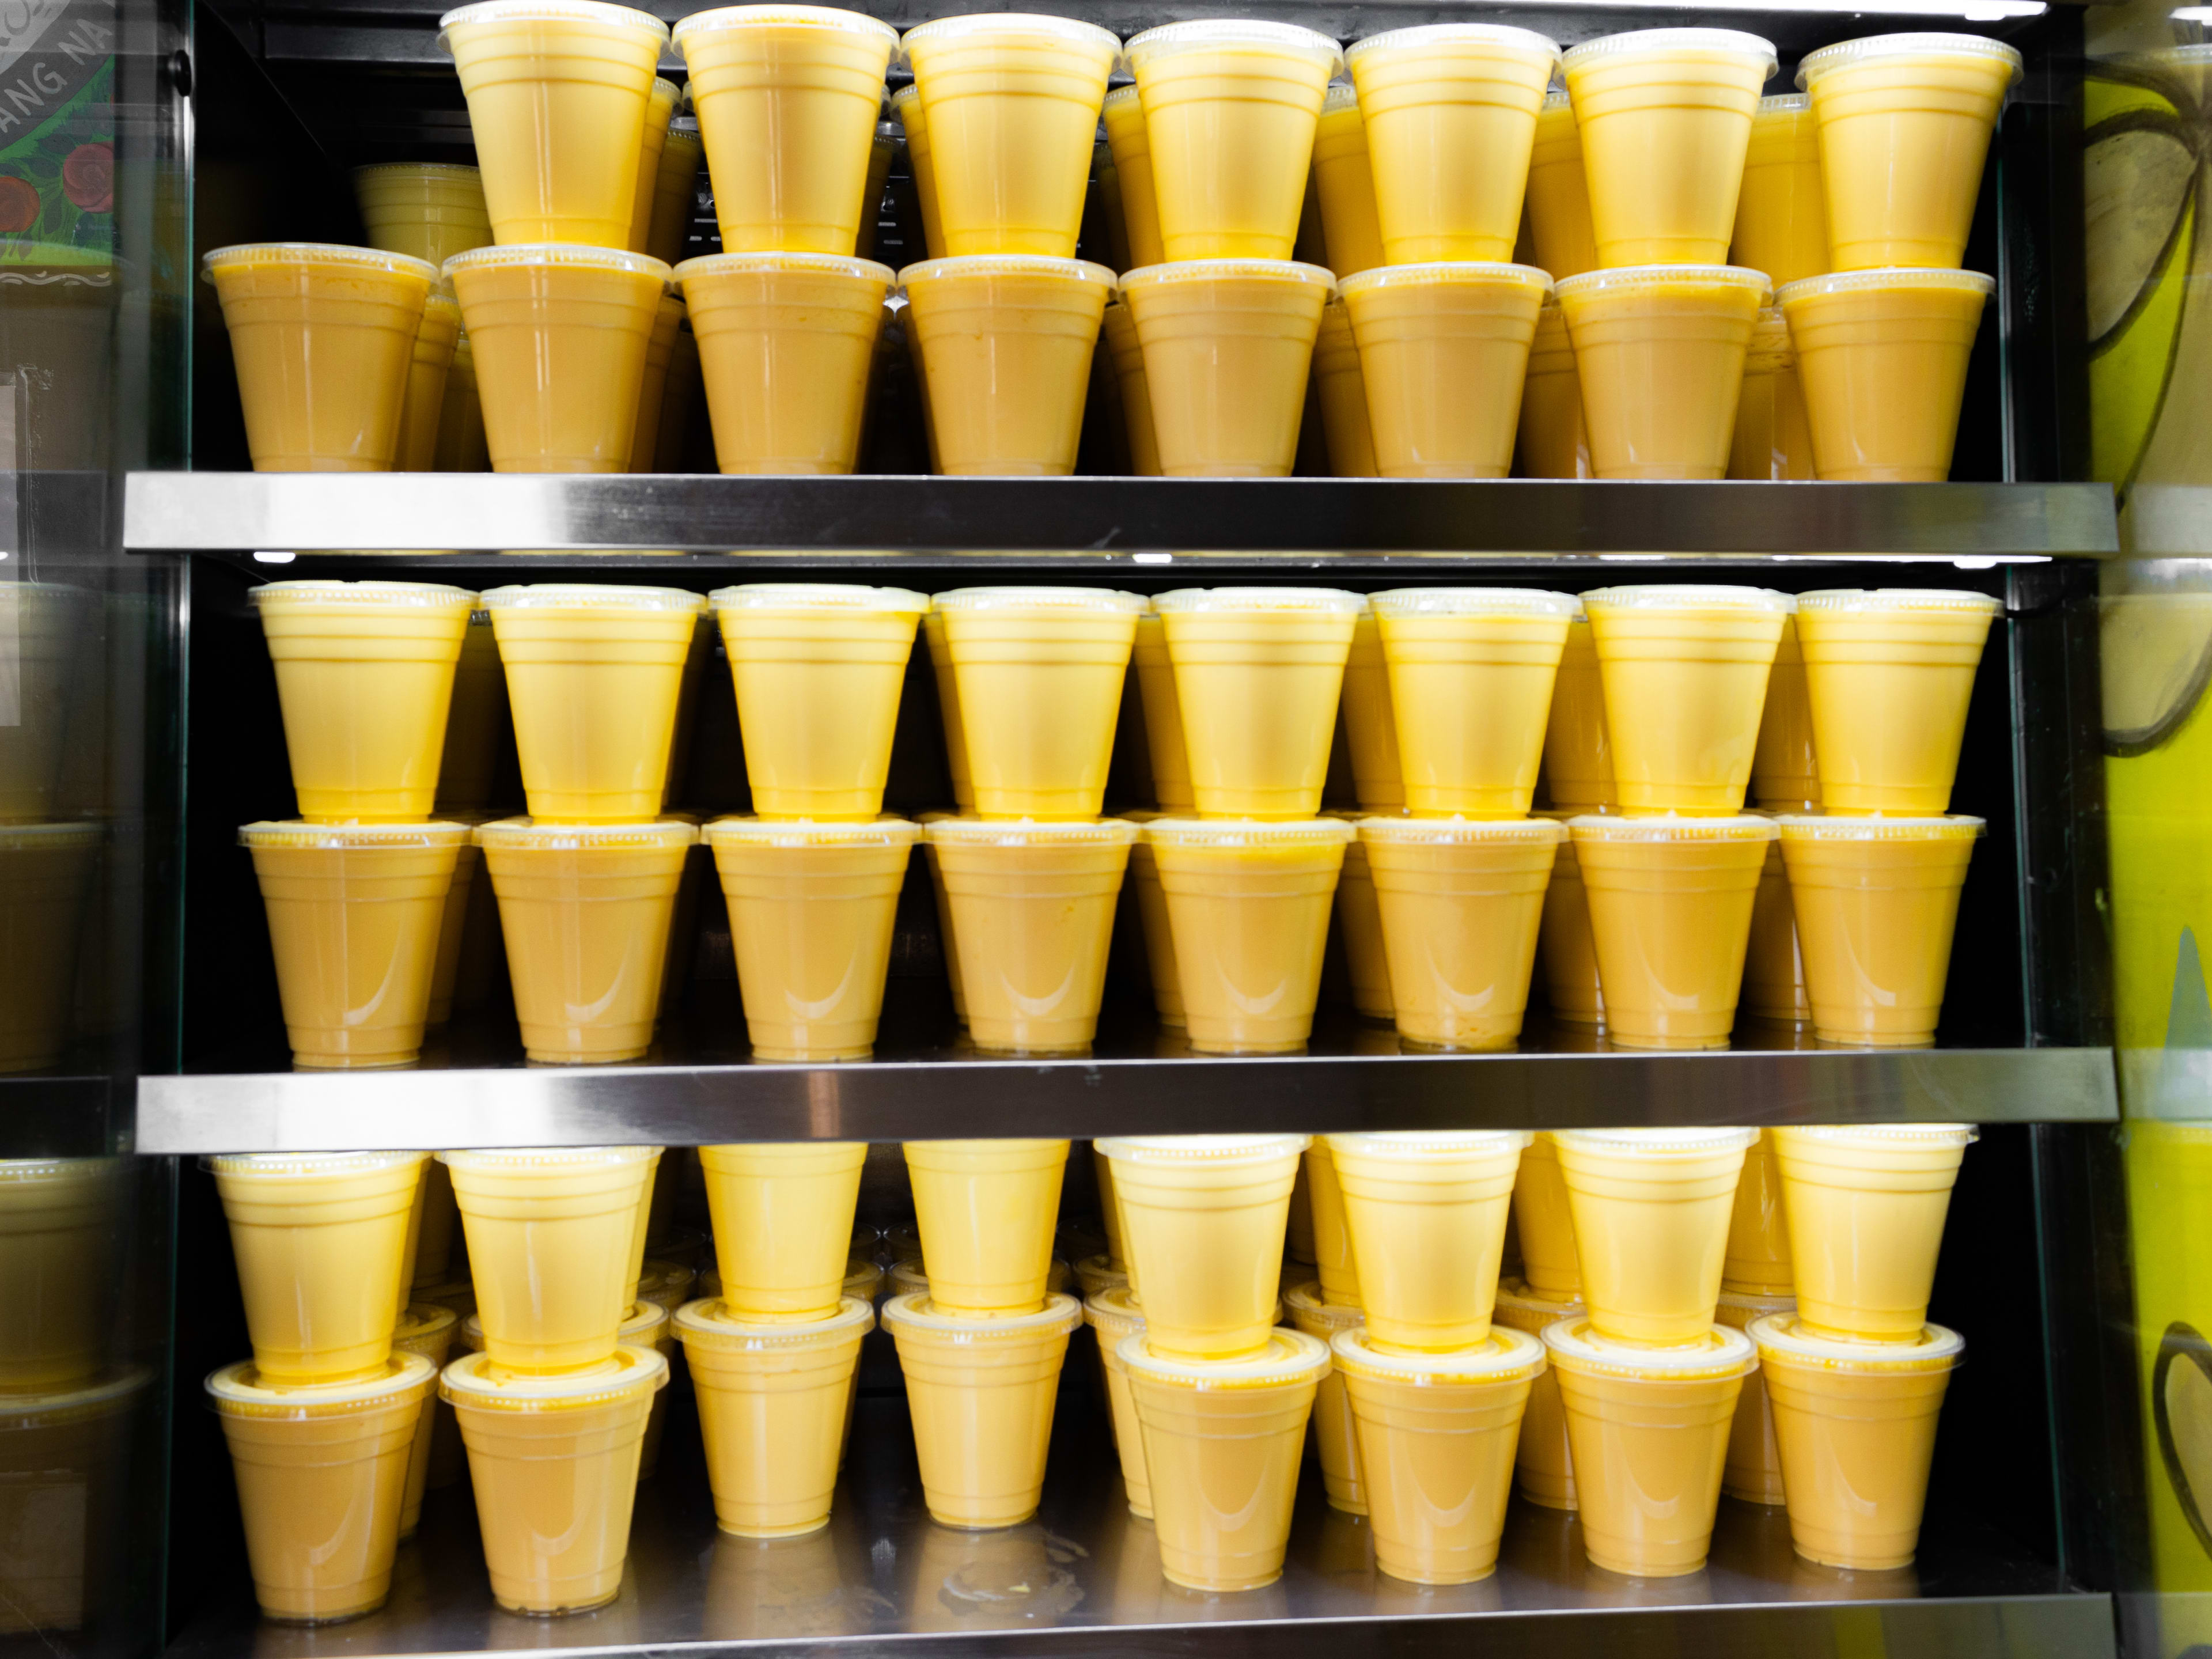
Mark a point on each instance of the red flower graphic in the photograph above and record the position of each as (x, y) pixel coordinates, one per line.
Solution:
(19, 204)
(88, 178)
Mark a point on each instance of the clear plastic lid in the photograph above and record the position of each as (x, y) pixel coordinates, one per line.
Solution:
(315, 253)
(1061, 1312)
(1007, 264)
(20, 837)
(1419, 1146)
(1248, 832)
(1847, 601)
(443, 303)
(576, 596)
(1306, 1299)
(1041, 599)
(240, 1390)
(725, 18)
(819, 596)
(661, 1280)
(286, 1166)
(1340, 96)
(1689, 39)
(1890, 276)
(1290, 1359)
(861, 1278)
(297, 834)
(328, 591)
(1786, 103)
(568, 254)
(629, 1371)
(74, 1402)
(1555, 100)
(1474, 601)
(490, 1158)
(1230, 271)
(1619, 277)
(1721, 1352)
(22, 1171)
(1937, 1348)
(1658, 1143)
(1230, 34)
(1029, 832)
(1461, 832)
(1113, 1315)
(551, 11)
(1515, 1294)
(713, 1325)
(908, 1279)
(1016, 23)
(1329, 600)
(902, 96)
(806, 832)
(1422, 36)
(1596, 826)
(1953, 827)
(1506, 1356)
(1846, 53)
(812, 264)
(453, 170)
(1201, 1149)
(529, 835)
(425, 1322)
(1448, 273)
(1887, 1134)
(644, 1324)
(1752, 1305)
(1691, 596)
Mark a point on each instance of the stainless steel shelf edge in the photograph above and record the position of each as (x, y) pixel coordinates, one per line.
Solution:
(234, 512)
(902, 1100)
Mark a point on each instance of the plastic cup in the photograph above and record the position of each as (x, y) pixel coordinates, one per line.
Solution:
(1781, 212)
(1758, 1260)
(320, 1241)
(1773, 964)
(1650, 1432)
(948, 709)
(1866, 1207)
(1161, 708)
(1340, 389)
(555, 1461)
(980, 1393)
(669, 1284)
(921, 165)
(1545, 1224)
(1543, 1463)
(1684, 672)
(675, 192)
(653, 387)
(1550, 442)
(1127, 357)
(453, 926)
(985, 1209)
(1113, 1314)
(1856, 1430)
(1335, 1443)
(427, 1329)
(1785, 773)
(1012, 101)
(1334, 1262)
(1664, 117)
(1451, 112)
(1881, 357)
(1345, 182)
(1659, 350)
(1358, 919)
(1223, 1442)
(659, 107)
(782, 1213)
(1144, 880)
(322, 336)
(322, 1475)
(1203, 1218)
(1128, 139)
(461, 446)
(1257, 674)
(1905, 125)
(557, 93)
(773, 1401)
(427, 210)
(1773, 442)
(1566, 948)
(1577, 747)
(1558, 198)
(416, 449)
(1248, 906)
(58, 1220)
(1370, 722)
(1753, 1473)
(1039, 671)
(1227, 346)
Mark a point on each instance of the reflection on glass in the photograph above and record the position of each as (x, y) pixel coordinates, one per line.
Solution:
(58, 1226)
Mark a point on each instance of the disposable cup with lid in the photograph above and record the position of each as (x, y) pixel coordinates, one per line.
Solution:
(427, 1329)
(428, 369)
(1867, 1205)
(1551, 442)
(659, 109)
(1114, 1315)
(1557, 198)
(1754, 1470)
(1336, 1269)
(1357, 922)
(1335, 1438)
(1785, 776)
(1543, 1464)
(782, 1215)
(1128, 140)
(1544, 1223)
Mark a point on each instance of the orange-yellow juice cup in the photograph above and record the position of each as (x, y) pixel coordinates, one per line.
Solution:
(1006, 341)
(1905, 125)
(1550, 442)
(585, 910)
(1652, 1210)
(1358, 915)
(650, 1325)
(1773, 964)
(1128, 139)
(322, 336)
(1659, 352)
(1670, 903)
(593, 676)
(1096, 1275)
(416, 450)
(1753, 1470)
(1231, 107)
(782, 1215)
(659, 107)
(1577, 748)
(1333, 1261)
(322, 1475)
(772, 1411)
(818, 667)
(1426, 1211)
(948, 945)
(1471, 674)
(1114, 1316)
(1162, 711)
(1012, 101)
(1544, 1223)
(1370, 721)
(1664, 117)
(1557, 198)
(980, 1392)
(59, 1222)
(1335, 1441)
(1543, 1463)
(1224, 1439)
(948, 709)
(1888, 673)
(985, 1210)
(653, 387)
(427, 1329)
(1032, 907)
(1346, 184)
(1144, 878)
(1340, 390)
(1443, 349)
(1566, 948)
(1758, 1260)
(1773, 441)
(1227, 345)
(1684, 672)
(1257, 674)
(1249, 905)
(477, 721)
(1856, 1430)
(1785, 776)
(1782, 213)
(1876, 900)
(1881, 358)
(320, 1240)
(921, 165)
(461, 444)
(1437, 1434)
(555, 1460)
(1120, 334)
(1866, 1206)
(1461, 903)
(557, 93)
(1649, 1428)
(354, 912)
(1039, 671)
(1450, 111)
(426, 209)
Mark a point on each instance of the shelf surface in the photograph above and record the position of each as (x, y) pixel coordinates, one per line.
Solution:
(858, 519)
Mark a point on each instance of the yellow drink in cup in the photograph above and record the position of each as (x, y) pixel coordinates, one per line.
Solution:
(1558, 198)
(985, 1209)
(1773, 964)
(1102, 1170)
(1866, 1207)
(948, 945)
(1223, 1442)
(1876, 901)
(1451, 122)
(1578, 748)
(1370, 722)
(322, 1475)
(1905, 125)
(1753, 1470)
(659, 107)
(1144, 878)
(59, 1220)
(1881, 356)
(1128, 138)
(1659, 350)
(980, 1392)
(1358, 916)
(1006, 341)
(461, 444)
(1011, 102)
(1566, 948)
(1227, 345)
(427, 1329)
(1544, 1223)
(1120, 334)
(783, 1214)
(46, 870)
(1346, 184)
(1758, 1260)
(1543, 1463)
(1652, 1210)
(426, 209)
(355, 915)
(557, 93)
(772, 1411)
(1335, 1442)
(1650, 1432)
(1341, 391)
(948, 709)
(1785, 776)
(1115, 1317)
(1333, 1258)
(416, 450)
(1426, 1211)
(1551, 442)
(1163, 712)
(649, 1325)
(1855, 1428)
(554, 1461)
(1773, 438)
(652, 389)
(1781, 214)
(675, 190)
(906, 108)
(1664, 117)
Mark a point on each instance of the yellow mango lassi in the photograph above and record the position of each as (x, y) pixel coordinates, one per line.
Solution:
(985, 1211)
(650, 1325)
(948, 946)
(906, 109)
(1223, 1442)
(1855, 1427)
(1346, 184)
(1231, 107)
(1227, 343)
(1566, 950)
(1127, 355)
(1129, 139)
(1664, 117)
(416, 450)
(322, 1475)
(1649, 1433)
(1114, 1316)
(1753, 1470)
(1881, 358)
(652, 389)
(1785, 776)
(1782, 213)
(1866, 1206)
(1248, 906)
(1577, 748)
(46, 870)
(1450, 113)
(1758, 1260)
(1341, 392)
(1652, 1210)
(1773, 963)
(557, 93)
(1333, 1261)
(659, 107)
(322, 336)
(1550, 442)
(1558, 198)
(675, 192)
(1335, 1442)
(427, 1329)
(948, 709)
(1544, 1223)
(1370, 721)
(59, 1221)
(1904, 124)
(50, 628)
(782, 1212)
(980, 1392)
(1006, 343)
(461, 446)
(1162, 709)
(1426, 1211)
(1659, 353)
(1358, 919)
(426, 209)
(1543, 1463)
(1012, 101)
(1773, 441)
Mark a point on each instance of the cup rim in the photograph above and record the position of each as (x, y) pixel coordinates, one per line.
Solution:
(1920, 1135)
(549, 11)
(1937, 1347)
(437, 1318)
(83, 832)
(331, 590)
(1614, 827)
(1061, 1314)
(491, 1157)
(239, 1385)
(453, 170)
(529, 835)
(1029, 832)
(1418, 1146)
(1506, 1355)
(1422, 34)
(887, 831)
(1191, 601)
(583, 255)
(1722, 1353)
(1287, 1360)
(1826, 601)
(1516, 1293)
(1760, 1303)
(1626, 276)
(306, 1163)
(1672, 39)
(709, 1321)
(629, 1371)
(1229, 270)
(1194, 1149)
(563, 596)
(1111, 600)
(1844, 53)
(1398, 831)
(819, 596)
(771, 263)
(1474, 602)
(315, 253)
(1021, 22)
(1661, 1143)
(1880, 277)
(1341, 95)
(1691, 596)
(306, 835)
(1307, 1298)
(1249, 832)
(1781, 102)
(1882, 827)
(1437, 273)
(1199, 33)
(784, 16)
(643, 1323)
(1007, 264)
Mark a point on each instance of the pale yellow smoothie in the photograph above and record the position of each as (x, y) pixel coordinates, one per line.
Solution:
(1544, 1223)
(1340, 390)
(1163, 714)
(1786, 773)
(675, 190)
(948, 946)
(1557, 198)
(1370, 721)
(1358, 919)
(650, 1325)
(1127, 355)
(1577, 748)
(782, 1215)
(659, 107)
(1336, 1446)
(1333, 1261)
(417, 447)
(427, 1329)
(1753, 1470)
(1426, 1211)
(426, 209)
(1866, 1206)
(1651, 1209)
(1566, 950)
(59, 1221)
(1773, 963)
(948, 709)
(1551, 442)
(985, 1210)
(1543, 1463)
(1345, 185)
(1114, 1316)
(1128, 139)
(1782, 214)
(653, 388)
(1773, 441)
(906, 109)
(1758, 1260)
(477, 722)
(461, 444)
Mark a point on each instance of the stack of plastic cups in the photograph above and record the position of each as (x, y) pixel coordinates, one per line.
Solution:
(1552, 443)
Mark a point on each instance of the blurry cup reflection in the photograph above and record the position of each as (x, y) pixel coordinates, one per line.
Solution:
(63, 1491)
(58, 1221)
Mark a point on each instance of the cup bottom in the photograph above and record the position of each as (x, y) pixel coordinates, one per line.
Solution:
(800, 1531)
(1219, 1586)
(309, 1620)
(1855, 1563)
(1620, 1039)
(1434, 1046)
(1872, 1039)
(567, 1057)
(1767, 1498)
(1406, 1572)
(1546, 1497)
(865, 1051)
(955, 1524)
(1629, 1571)
(306, 1062)
(1230, 1046)
(524, 1610)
